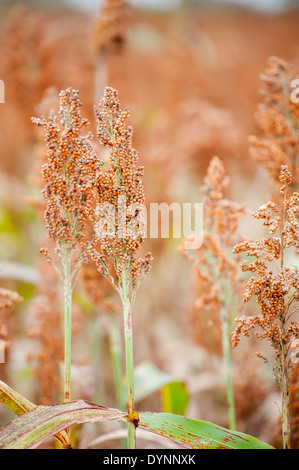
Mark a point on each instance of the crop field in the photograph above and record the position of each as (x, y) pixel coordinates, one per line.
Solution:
(149, 226)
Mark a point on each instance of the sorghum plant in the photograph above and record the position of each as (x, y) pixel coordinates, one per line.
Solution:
(217, 271)
(274, 285)
(73, 178)
(121, 205)
(68, 195)
(277, 117)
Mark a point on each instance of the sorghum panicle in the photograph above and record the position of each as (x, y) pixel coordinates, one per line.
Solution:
(214, 265)
(68, 175)
(273, 284)
(120, 185)
(277, 117)
(221, 217)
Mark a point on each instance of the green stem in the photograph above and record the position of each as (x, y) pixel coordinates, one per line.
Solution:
(284, 373)
(227, 362)
(284, 387)
(115, 345)
(286, 433)
(127, 311)
(131, 436)
(67, 324)
(96, 347)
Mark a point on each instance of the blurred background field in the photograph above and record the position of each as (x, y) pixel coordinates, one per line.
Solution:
(189, 72)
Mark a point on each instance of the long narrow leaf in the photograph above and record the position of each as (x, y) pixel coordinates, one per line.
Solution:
(13, 400)
(194, 434)
(29, 430)
(20, 405)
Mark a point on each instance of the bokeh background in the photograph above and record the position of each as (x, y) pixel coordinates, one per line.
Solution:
(190, 73)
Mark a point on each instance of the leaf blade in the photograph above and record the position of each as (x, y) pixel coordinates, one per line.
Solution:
(14, 400)
(29, 430)
(195, 434)
(20, 405)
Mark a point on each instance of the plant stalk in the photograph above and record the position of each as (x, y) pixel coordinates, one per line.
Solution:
(284, 388)
(127, 311)
(284, 379)
(286, 433)
(116, 352)
(227, 362)
(67, 325)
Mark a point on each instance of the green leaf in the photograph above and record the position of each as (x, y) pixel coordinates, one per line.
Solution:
(20, 405)
(29, 430)
(13, 400)
(194, 434)
(174, 398)
(37, 423)
(149, 379)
